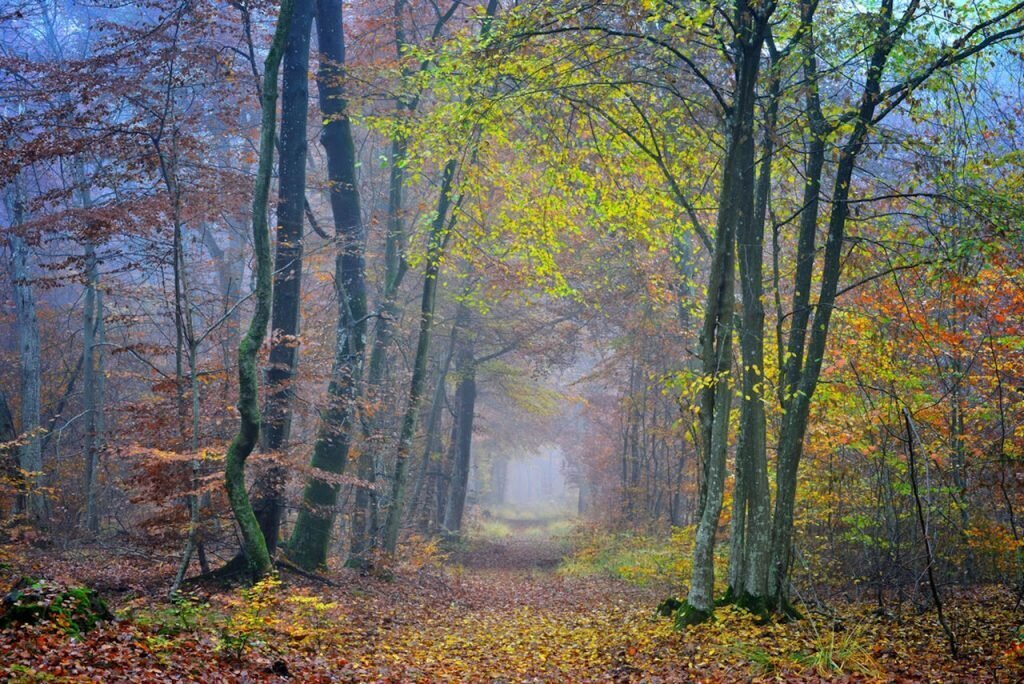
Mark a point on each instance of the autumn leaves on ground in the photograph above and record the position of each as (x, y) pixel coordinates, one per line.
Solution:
(508, 608)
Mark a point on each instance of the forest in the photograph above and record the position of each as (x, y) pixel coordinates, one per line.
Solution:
(511, 340)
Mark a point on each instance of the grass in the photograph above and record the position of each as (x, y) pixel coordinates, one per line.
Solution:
(635, 558)
(503, 522)
(838, 653)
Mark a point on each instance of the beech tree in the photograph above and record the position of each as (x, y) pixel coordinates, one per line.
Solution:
(254, 544)
(312, 533)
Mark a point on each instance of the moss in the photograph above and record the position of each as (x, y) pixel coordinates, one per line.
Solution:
(788, 610)
(73, 609)
(360, 563)
(669, 606)
(759, 606)
(726, 599)
(688, 615)
(764, 608)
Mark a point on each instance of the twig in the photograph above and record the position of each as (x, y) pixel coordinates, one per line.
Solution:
(924, 533)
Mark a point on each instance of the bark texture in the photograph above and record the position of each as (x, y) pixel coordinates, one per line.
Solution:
(253, 544)
(308, 544)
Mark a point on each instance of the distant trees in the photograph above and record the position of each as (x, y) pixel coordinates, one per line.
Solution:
(30, 458)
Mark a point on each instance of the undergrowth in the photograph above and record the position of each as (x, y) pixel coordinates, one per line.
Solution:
(640, 559)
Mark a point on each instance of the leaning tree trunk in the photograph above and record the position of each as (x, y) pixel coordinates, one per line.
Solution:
(309, 541)
(439, 234)
(284, 326)
(803, 379)
(253, 543)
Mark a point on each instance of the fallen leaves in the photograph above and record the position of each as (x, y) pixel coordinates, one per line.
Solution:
(523, 623)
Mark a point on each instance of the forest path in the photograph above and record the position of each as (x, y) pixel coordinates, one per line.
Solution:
(523, 553)
(508, 615)
(497, 610)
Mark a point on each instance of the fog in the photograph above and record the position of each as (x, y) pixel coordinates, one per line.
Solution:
(537, 482)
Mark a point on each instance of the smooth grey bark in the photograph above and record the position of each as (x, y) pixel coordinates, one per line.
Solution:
(31, 502)
(310, 538)
(268, 501)
(438, 240)
(195, 500)
(465, 401)
(92, 386)
(716, 403)
(92, 361)
(751, 523)
(736, 202)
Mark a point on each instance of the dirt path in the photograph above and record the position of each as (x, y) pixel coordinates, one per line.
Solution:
(509, 616)
(512, 554)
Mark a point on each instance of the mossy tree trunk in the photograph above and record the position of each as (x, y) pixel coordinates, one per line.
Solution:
(253, 543)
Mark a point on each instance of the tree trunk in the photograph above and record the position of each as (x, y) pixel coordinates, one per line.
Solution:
(748, 562)
(432, 442)
(30, 458)
(465, 400)
(8, 435)
(253, 543)
(91, 377)
(439, 234)
(794, 425)
(395, 266)
(277, 415)
(311, 536)
(736, 200)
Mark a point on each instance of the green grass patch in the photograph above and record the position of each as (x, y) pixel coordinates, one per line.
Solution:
(635, 558)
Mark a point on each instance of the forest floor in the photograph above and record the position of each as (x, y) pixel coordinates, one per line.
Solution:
(497, 610)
